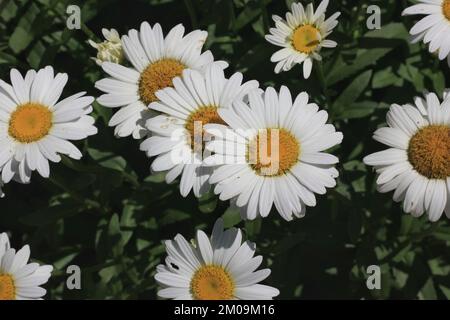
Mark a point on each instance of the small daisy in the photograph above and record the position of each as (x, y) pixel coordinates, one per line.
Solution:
(2, 194)
(20, 280)
(35, 127)
(216, 268)
(302, 35)
(193, 102)
(156, 61)
(109, 50)
(287, 175)
(433, 29)
(417, 165)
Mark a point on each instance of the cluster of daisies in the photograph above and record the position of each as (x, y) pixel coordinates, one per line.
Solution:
(264, 150)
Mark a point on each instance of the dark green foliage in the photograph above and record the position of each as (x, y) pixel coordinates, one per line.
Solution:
(109, 215)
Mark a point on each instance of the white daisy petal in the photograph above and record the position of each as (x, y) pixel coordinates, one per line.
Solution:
(20, 279)
(172, 280)
(172, 293)
(433, 28)
(204, 246)
(256, 292)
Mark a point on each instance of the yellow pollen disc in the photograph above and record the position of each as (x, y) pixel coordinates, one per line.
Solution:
(7, 287)
(429, 151)
(30, 122)
(446, 9)
(212, 282)
(305, 38)
(203, 116)
(158, 75)
(263, 162)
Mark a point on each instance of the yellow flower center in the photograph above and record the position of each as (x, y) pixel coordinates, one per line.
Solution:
(429, 151)
(286, 149)
(158, 75)
(305, 38)
(212, 282)
(196, 121)
(7, 287)
(30, 122)
(446, 9)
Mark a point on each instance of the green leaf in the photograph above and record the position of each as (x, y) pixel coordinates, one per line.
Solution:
(231, 217)
(108, 159)
(20, 39)
(357, 110)
(51, 214)
(250, 13)
(172, 215)
(23, 34)
(389, 31)
(253, 227)
(114, 162)
(386, 78)
(365, 59)
(352, 93)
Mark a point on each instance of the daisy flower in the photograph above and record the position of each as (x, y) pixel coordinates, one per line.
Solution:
(35, 127)
(417, 164)
(156, 60)
(302, 35)
(20, 280)
(193, 102)
(110, 49)
(434, 28)
(216, 268)
(2, 194)
(273, 154)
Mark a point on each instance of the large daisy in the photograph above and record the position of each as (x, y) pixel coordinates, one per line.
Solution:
(417, 164)
(177, 135)
(302, 35)
(35, 127)
(434, 28)
(216, 268)
(20, 280)
(156, 60)
(273, 154)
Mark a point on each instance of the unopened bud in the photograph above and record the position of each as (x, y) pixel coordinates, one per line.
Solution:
(109, 50)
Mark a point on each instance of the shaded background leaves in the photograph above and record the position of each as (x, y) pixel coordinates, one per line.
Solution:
(108, 214)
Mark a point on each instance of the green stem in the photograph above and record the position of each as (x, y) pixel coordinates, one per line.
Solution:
(265, 16)
(192, 14)
(410, 241)
(323, 82)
